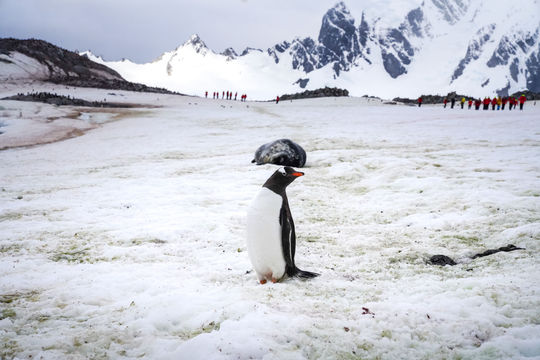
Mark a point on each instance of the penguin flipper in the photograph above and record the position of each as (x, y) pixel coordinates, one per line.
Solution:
(288, 239)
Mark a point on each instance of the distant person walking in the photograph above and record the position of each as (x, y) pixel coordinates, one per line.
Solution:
(493, 103)
(277, 99)
(462, 102)
(504, 101)
(486, 103)
(452, 103)
(470, 103)
(522, 100)
(445, 101)
(419, 101)
(477, 104)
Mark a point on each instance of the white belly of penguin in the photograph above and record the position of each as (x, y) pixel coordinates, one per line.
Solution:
(264, 235)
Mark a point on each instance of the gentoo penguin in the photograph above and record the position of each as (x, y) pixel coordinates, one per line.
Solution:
(271, 239)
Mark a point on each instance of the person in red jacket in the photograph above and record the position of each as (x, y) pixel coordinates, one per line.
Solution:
(477, 104)
(493, 103)
(445, 101)
(486, 102)
(470, 103)
(419, 101)
(504, 101)
(522, 100)
(277, 99)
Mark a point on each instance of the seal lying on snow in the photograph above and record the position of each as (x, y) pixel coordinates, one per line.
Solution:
(280, 152)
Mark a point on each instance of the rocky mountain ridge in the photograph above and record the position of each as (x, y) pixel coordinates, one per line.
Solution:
(39, 60)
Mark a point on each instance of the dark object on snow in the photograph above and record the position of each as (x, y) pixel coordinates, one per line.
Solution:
(61, 100)
(433, 99)
(507, 248)
(322, 92)
(69, 68)
(441, 260)
(280, 152)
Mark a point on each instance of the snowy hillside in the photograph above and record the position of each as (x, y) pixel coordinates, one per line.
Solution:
(385, 48)
(128, 241)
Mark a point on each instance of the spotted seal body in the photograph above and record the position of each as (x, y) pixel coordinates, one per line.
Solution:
(281, 152)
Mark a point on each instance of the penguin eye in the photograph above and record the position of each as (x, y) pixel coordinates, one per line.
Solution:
(282, 171)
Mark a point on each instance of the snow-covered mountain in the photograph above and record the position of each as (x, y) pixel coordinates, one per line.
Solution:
(389, 48)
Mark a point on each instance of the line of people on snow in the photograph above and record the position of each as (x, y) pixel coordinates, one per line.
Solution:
(227, 95)
(498, 103)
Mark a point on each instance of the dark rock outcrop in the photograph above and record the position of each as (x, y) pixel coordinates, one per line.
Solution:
(323, 92)
(530, 95)
(60, 62)
(61, 100)
(474, 50)
(69, 68)
(434, 99)
(230, 53)
(533, 71)
(452, 10)
(338, 37)
(510, 46)
(302, 82)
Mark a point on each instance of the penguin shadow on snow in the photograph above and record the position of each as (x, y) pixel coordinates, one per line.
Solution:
(271, 236)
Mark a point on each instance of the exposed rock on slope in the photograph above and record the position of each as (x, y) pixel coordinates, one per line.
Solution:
(39, 60)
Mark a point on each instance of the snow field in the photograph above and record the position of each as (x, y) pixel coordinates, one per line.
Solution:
(128, 241)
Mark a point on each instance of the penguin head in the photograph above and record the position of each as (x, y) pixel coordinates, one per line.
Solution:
(281, 178)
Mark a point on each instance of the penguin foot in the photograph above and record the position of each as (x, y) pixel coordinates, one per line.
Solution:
(274, 280)
(263, 281)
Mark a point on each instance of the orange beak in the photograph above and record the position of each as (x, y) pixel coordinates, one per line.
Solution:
(297, 174)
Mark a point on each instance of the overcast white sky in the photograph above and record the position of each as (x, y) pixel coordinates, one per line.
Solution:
(143, 29)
